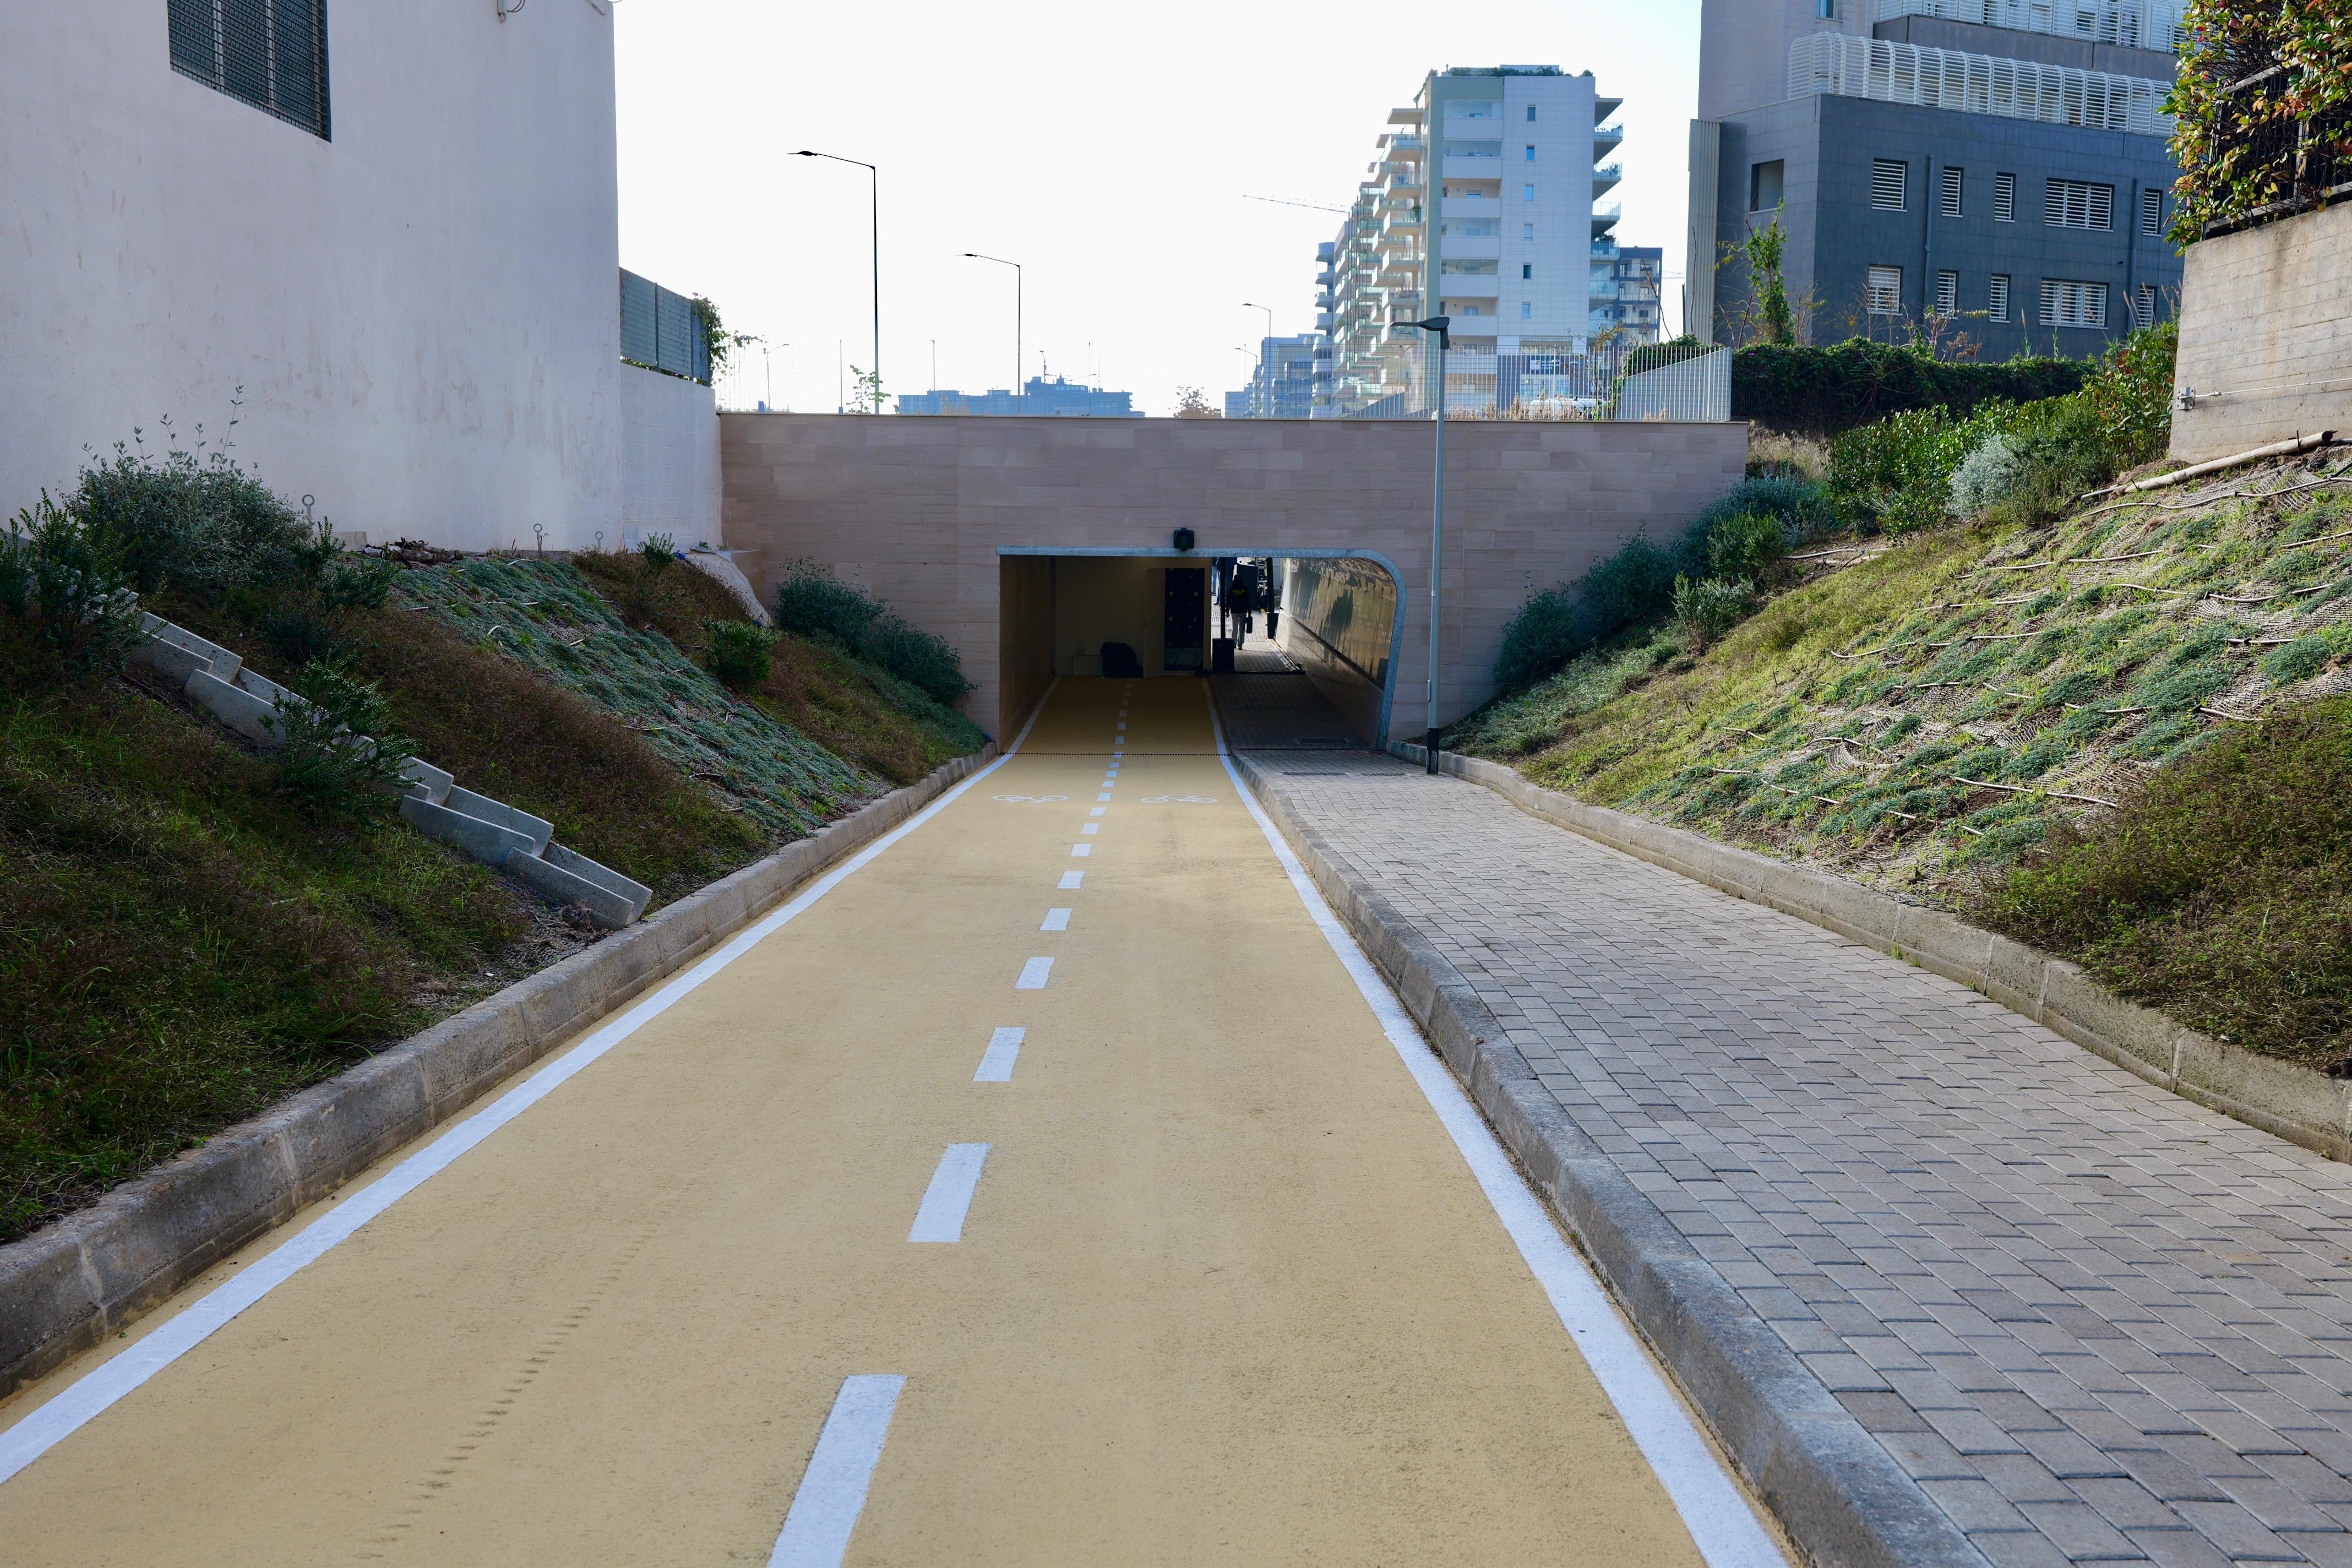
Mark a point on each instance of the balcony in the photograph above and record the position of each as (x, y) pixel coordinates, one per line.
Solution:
(1473, 247)
(1606, 177)
(1482, 166)
(1470, 286)
(1832, 63)
(1606, 141)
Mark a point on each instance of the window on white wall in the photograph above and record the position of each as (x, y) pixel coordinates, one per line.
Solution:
(1531, 153)
(1527, 269)
(1526, 310)
(1531, 114)
(1531, 194)
(270, 53)
(1527, 231)
(1890, 184)
(1766, 185)
(1885, 289)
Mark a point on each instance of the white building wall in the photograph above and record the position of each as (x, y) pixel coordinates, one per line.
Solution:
(422, 312)
(669, 459)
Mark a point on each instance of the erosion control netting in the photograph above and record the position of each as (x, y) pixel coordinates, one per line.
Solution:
(2052, 673)
(546, 614)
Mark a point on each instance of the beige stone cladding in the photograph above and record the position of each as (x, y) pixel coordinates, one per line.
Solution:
(2266, 336)
(925, 513)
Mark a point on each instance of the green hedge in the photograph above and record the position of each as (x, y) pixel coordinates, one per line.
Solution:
(1827, 391)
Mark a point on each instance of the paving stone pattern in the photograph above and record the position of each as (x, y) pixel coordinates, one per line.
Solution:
(1265, 704)
(2096, 1322)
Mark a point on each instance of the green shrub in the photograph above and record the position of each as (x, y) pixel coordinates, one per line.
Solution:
(659, 551)
(811, 603)
(338, 748)
(1740, 548)
(1803, 510)
(1897, 475)
(59, 576)
(1830, 391)
(2129, 397)
(205, 525)
(1711, 606)
(1986, 476)
(739, 653)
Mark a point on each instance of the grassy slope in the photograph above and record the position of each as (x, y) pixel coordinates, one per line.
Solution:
(853, 707)
(180, 943)
(1837, 724)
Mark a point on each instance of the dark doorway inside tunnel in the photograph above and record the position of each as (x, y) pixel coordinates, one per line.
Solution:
(1311, 638)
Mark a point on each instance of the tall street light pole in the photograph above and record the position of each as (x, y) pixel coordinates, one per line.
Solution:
(875, 184)
(976, 255)
(1443, 326)
(1265, 361)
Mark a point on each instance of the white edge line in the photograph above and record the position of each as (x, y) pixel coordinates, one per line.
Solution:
(832, 1493)
(1714, 1509)
(90, 1394)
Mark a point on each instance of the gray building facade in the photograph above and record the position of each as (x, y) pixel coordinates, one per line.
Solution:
(2002, 188)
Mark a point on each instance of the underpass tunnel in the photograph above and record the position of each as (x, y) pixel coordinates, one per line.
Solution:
(1298, 648)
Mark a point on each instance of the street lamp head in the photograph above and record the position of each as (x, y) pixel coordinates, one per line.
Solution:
(805, 153)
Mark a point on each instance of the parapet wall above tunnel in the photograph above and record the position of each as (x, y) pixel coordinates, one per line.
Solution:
(923, 510)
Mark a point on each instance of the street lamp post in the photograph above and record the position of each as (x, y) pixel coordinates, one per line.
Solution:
(874, 181)
(1265, 362)
(1442, 327)
(976, 255)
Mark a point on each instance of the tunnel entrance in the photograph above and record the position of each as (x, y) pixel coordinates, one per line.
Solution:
(1298, 648)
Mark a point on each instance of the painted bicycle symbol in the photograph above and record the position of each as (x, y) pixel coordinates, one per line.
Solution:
(1030, 799)
(1180, 800)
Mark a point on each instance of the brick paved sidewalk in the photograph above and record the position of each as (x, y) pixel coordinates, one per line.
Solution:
(2096, 1322)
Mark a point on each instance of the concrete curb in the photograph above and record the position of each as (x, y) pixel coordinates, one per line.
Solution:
(1840, 1495)
(66, 1288)
(2296, 1103)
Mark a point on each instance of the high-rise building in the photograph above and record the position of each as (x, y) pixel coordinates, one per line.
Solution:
(1483, 204)
(1627, 299)
(1282, 386)
(1995, 170)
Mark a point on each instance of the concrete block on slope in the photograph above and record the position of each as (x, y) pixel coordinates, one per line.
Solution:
(488, 842)
(535, 830)
(255, 718)
(611, 910)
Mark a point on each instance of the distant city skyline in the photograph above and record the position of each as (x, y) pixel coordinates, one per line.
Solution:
(1070, 145)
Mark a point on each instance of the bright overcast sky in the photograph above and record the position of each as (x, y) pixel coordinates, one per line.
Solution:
(1108, 152)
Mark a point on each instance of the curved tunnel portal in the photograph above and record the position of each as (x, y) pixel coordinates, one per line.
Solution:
(1299, 648)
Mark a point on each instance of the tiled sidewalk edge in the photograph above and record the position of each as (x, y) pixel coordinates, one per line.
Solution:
(67, 1286)
(1840, 1495)
(2296, 1103)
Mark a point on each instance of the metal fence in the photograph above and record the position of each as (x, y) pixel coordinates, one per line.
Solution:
(2293, 166)
(660, 330)
(1688, 383)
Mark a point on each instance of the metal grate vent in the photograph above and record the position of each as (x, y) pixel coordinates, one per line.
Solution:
(1955, 181)
(1999, 297)
(1890, 184)
(2078, 204)
(2151, 211)
(270, 53)
(2004, 198)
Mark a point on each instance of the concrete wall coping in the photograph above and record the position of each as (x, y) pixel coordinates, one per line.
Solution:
(2297, 1103)
(68, 1286)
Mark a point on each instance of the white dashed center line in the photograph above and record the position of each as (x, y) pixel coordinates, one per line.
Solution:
(1105, 796)
(1097, 811)
(1071, 879)
(833, 1488)
(1091, 828)
(1034, 973)
(1080, 851)
(949, 1197)
(1056, 919)
(997, 1062)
